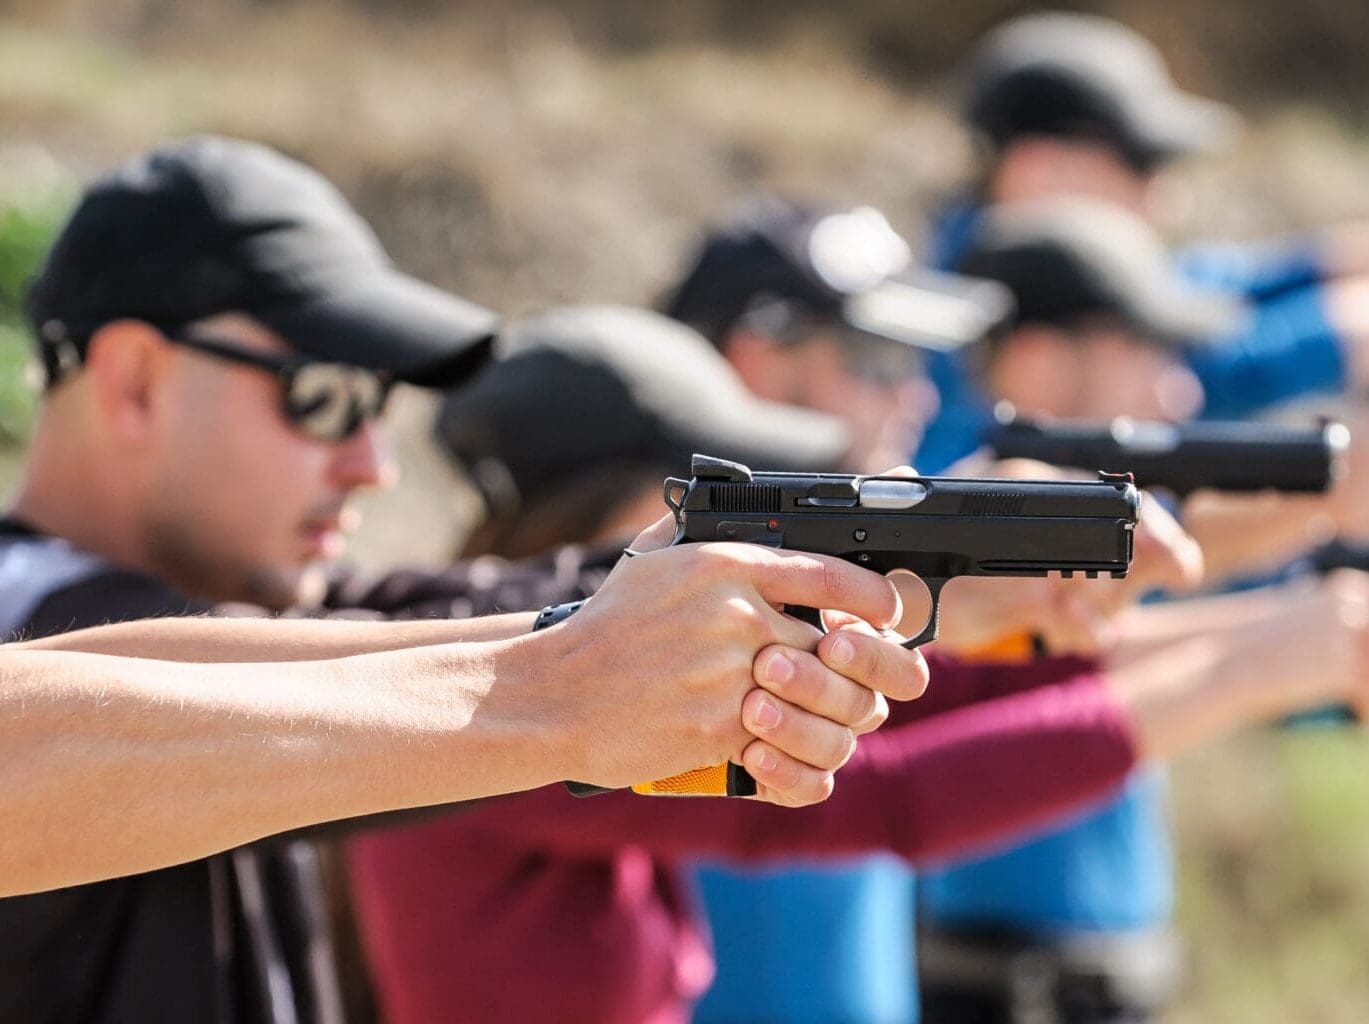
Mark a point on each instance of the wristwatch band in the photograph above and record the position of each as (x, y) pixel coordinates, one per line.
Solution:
(554, 613)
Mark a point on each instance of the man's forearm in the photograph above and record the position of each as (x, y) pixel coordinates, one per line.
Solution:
(1249, 671)
(207, 639)
(114, 765)
(1143, 630)
(1248, 535)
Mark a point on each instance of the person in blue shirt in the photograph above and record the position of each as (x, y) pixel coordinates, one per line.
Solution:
(1068, 104)
(1080, 105)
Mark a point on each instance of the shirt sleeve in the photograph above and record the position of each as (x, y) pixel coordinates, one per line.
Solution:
(1287, 349)
(957, 682)
(1259, 271)
(928, 790)
(483, 586)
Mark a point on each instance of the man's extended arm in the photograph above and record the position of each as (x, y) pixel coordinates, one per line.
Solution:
(211, 639)
(113, 765)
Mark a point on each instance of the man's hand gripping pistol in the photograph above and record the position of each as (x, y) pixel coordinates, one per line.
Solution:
(935, 527)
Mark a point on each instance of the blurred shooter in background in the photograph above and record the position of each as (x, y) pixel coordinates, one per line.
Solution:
(1101, 328)
(1079, 105)
(1067, 104)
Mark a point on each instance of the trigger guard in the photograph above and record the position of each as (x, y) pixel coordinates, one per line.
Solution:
(933, 627)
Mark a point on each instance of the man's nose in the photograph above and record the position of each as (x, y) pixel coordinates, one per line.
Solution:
(365, 459)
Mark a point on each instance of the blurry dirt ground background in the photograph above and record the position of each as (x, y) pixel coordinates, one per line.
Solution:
(525, 154)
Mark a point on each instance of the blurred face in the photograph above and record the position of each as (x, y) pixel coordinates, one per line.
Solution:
(243, 505)
(876, 387)
(1096, 371)
(1042, 166)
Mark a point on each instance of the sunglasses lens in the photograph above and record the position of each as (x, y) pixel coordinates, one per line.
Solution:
(330, 401)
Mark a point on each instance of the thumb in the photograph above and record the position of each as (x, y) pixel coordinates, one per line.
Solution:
(658, 535)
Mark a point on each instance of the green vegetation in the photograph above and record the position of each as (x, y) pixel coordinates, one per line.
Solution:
(26, 229)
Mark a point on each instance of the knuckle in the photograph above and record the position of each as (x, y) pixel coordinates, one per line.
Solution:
(721, 562)
(836, 583)
(805, 685)
(878, 717)
(724, 730)
(843, 746)
(789, 777)
(711, 562)
(866, 705)
(749, 620)
(821, 788)
(906, 677)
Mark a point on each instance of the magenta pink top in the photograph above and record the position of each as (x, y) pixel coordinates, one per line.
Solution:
(547, 907)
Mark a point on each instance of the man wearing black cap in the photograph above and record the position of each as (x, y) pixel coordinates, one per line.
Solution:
(621, 393)
(219, 332)
(822, 308)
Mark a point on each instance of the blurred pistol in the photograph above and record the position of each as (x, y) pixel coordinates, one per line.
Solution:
(1340, 554)
(935, 527)
(1224, 456)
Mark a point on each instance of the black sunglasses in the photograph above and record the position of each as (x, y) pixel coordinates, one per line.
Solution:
(325, 401)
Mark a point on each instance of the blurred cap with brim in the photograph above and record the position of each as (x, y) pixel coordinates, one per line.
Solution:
(1069, 259)
(1082, 76)
(212, 225)
(775, 262)
(579, 388)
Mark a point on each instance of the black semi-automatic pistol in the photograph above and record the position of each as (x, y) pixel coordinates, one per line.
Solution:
(935, 527)
(1182, 458)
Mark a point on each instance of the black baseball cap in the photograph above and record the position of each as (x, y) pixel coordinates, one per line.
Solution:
(776, 260)
(583, 386)
(1067, 259)
(212, 225)
(1078, 75)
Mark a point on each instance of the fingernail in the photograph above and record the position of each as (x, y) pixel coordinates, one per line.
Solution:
(779, 669)
(766, 715)
(766, 761)
(842, 651)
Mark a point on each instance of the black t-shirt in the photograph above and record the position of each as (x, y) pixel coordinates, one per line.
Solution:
(219, 940)
(239, 938)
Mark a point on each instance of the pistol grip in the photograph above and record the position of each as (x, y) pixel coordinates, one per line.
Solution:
(1012, 648)
(726, 779)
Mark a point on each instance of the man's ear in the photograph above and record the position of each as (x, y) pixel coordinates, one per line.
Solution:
(126, 363)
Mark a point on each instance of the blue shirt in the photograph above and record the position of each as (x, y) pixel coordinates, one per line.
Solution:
(802, 944)
(1111, 870)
